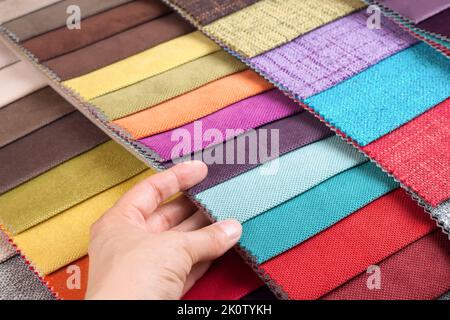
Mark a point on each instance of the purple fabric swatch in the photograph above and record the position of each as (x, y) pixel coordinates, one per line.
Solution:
(246, 114)
(417, 10)
(331, 54)
(294, 132)
(438, 24)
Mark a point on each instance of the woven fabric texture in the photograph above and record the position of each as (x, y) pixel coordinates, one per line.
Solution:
(119, 47)
(231, 121)
(406, 275)
(32, 112)
(6, 249)
(55, 16)
(95, 28)
(331, 54)
(270, 23)
(366, 106)
(418, 153)
(12, 9)
(67, 185)
(253, 192)
(330, 259)
(421, 10)
(46, 148)
(168, 85)
(19, 80)
(437, 24)
(194, 105)
(64, 238)
(143, 65)
(442, 213)
(207, 11)
(304, 216)
(7, 57)
(293, 132)
(18, 282)
(445, 296)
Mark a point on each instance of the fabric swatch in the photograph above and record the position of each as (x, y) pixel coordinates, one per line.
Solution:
(379, 100)
(119, 47)
(270, 23)
(438, 24)
(7, 57)
(95, 28)
(141, 66)
(19, 80)
(231, 121)
(194, 105)
(32, 112)
(67, 185)
(313, 211)
(168, 85)
(254, 192)
(331, 54)
(46, 148)
(6, 249)
(418, 153)
(445, 296)
(294, 132)
(55, 16)
(442, 213)
(207, 11)
(421, 10)
(12, 9)
(64, 238)
(18, 282)
(330, 259)
(406, 275)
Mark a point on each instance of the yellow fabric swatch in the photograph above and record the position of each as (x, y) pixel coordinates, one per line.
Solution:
(67, 185)
(65, 238)
(270, 23)
(143, 65)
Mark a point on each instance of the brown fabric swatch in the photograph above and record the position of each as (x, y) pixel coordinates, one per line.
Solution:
(30, 113)
(55, 16)
(95, 28)
(46, 148)
(119, 47)
(207, 11)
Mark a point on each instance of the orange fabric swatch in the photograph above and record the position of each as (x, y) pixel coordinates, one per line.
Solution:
(194, 105)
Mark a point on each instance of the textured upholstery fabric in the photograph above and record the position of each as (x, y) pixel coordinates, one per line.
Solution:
(12, 9)
(445, 296)
(7, 57)
(442, 213)
(421, 10)
(6, 249)
(437, 24)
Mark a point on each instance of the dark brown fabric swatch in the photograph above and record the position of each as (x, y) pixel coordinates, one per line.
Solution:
(30, 113)
(207, 11)
(95, 28)
(119, 47)
(439, 24)
(55, 16)
(46, 148)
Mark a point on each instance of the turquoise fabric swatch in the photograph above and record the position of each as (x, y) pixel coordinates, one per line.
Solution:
(252, 192)
(296, 220)
(387, 95)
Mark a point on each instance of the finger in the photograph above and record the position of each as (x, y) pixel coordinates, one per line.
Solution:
(197, 221)
(147, 195)
(197, 272)
(212, 241)
(170, 214)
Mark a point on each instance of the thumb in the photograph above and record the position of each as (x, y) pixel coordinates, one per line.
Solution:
(213, 241)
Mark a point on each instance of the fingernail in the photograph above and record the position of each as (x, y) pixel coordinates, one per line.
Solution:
(231, 228)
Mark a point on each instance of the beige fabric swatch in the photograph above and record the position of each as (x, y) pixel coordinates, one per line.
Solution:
(12, 9)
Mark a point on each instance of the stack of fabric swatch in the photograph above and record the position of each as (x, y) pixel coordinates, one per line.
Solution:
(314, 218)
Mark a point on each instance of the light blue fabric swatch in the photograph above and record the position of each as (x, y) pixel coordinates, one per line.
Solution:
(253, 192)
(386, 95)
(296, 220)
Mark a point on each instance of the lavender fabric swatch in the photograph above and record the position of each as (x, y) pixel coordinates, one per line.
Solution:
(245, 115)
(331, 54)
(294, 132)
(417, 10)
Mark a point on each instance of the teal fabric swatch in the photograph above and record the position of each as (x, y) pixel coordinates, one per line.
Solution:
(296, 220)
(253, 192)
(387, 95)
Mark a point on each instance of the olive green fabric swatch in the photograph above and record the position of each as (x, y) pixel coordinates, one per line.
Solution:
(270, 23)
(167, 85)
(67, 185)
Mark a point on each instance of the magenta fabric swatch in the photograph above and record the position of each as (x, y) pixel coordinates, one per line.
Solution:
(416, 10)
(331, 54)
(245, 114)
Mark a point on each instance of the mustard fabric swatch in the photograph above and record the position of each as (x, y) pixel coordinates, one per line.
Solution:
(143, 65)
(270, 23)
(168, 85)
(66, 185)
(64, 238)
